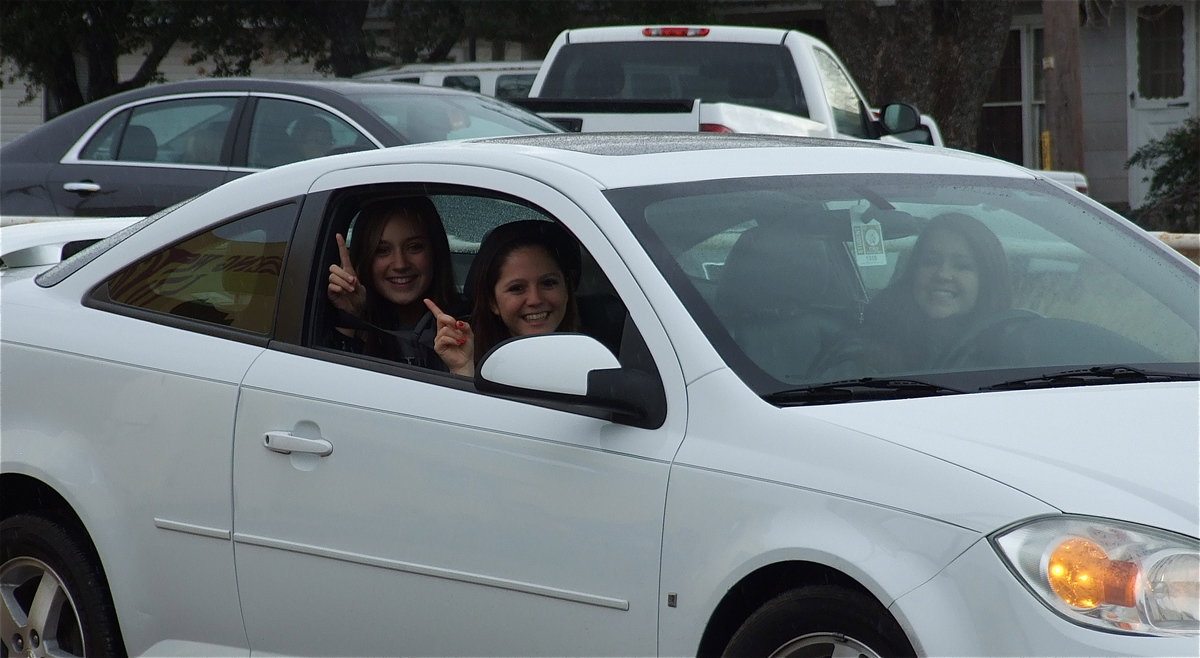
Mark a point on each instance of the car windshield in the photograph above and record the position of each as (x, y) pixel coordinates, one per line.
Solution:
(832, 288)
(437, 117)
(760, 75)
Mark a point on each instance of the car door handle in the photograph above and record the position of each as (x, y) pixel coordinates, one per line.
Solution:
(85, 187)
(287, 443)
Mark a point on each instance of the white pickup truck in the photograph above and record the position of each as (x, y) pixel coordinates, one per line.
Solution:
(710, 79)
(716, 78)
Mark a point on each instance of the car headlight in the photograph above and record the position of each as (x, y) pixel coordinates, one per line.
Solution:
(1108, 574)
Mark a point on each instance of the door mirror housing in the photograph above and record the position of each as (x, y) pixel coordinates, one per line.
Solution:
(899, 118)
(574, 369)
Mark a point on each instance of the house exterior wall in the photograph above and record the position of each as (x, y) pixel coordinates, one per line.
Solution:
(16, 116)
(1105, 109)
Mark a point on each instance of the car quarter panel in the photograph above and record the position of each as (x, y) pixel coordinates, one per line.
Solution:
(140, 447)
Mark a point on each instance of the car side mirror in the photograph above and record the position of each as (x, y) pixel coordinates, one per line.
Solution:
(899, 118)
(573, 369)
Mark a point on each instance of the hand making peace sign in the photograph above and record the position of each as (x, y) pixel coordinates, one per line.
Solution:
(345, 291)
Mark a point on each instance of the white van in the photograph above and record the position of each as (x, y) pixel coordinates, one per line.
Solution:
(500, 79)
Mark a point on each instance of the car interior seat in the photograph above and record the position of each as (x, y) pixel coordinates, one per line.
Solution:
(138, 145)
(204, 144)
(270, 144)
(778, 297)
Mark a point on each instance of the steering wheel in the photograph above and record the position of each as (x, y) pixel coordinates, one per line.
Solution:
(987, 328)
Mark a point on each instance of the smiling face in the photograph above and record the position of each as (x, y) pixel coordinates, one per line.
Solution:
(402, 264)
(946, 281)
(530, 295)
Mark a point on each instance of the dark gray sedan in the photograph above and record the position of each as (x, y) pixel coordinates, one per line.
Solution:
(140, 151)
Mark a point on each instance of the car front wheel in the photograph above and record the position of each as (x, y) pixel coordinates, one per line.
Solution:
(53, 599)
(820, 622)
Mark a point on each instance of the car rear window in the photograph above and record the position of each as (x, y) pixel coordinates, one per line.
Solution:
(759, 75)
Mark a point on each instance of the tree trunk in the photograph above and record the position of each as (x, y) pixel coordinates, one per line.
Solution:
(1063, 88)
(939, 55)
(347, 40)
(62, 85)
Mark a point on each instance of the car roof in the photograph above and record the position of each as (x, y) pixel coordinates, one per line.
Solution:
(56, 135)
(453, 67)
(316, 87)
(616, 160)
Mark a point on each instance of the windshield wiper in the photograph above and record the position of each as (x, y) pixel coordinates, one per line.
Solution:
(855, 390)
(1091, 376)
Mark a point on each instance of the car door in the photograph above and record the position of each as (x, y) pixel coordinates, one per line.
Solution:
(145, 156)
(398, 511)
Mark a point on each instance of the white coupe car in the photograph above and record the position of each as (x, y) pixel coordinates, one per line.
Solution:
(716, 464)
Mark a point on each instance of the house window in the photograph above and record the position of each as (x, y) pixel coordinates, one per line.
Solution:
(1014, 112)
(1160, 51)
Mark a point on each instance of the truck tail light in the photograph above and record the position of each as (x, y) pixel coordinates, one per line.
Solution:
(675, 32)
(715, 128)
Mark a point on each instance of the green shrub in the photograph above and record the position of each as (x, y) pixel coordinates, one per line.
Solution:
(1173, 201)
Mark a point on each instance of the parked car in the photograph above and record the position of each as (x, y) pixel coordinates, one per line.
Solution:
(140, 151)
(191, 468)
(503, 79)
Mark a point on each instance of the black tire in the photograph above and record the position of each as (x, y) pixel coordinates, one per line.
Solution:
(40, 558)
(819, 621)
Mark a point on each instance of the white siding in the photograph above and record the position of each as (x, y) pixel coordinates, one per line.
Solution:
(16, 117)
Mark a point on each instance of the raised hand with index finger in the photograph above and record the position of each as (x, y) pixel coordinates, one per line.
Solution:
(455, 342)
(346, 292)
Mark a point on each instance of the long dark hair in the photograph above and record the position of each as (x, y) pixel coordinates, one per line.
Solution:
(501, 241)
(368, 230)
(894, 316)
(995, 291)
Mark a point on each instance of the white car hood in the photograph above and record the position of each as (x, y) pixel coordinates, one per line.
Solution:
(1129, 452)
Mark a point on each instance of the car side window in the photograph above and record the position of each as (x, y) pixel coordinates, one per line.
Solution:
(284, 131)
(184, 131)
(228, 275)
(467, 82)
(514, 85)
(847, 107)
(468, 218)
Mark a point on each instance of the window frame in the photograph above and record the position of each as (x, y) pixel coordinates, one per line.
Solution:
(99, 296)
(302, 314)
(74, 154)
(1032, 102)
